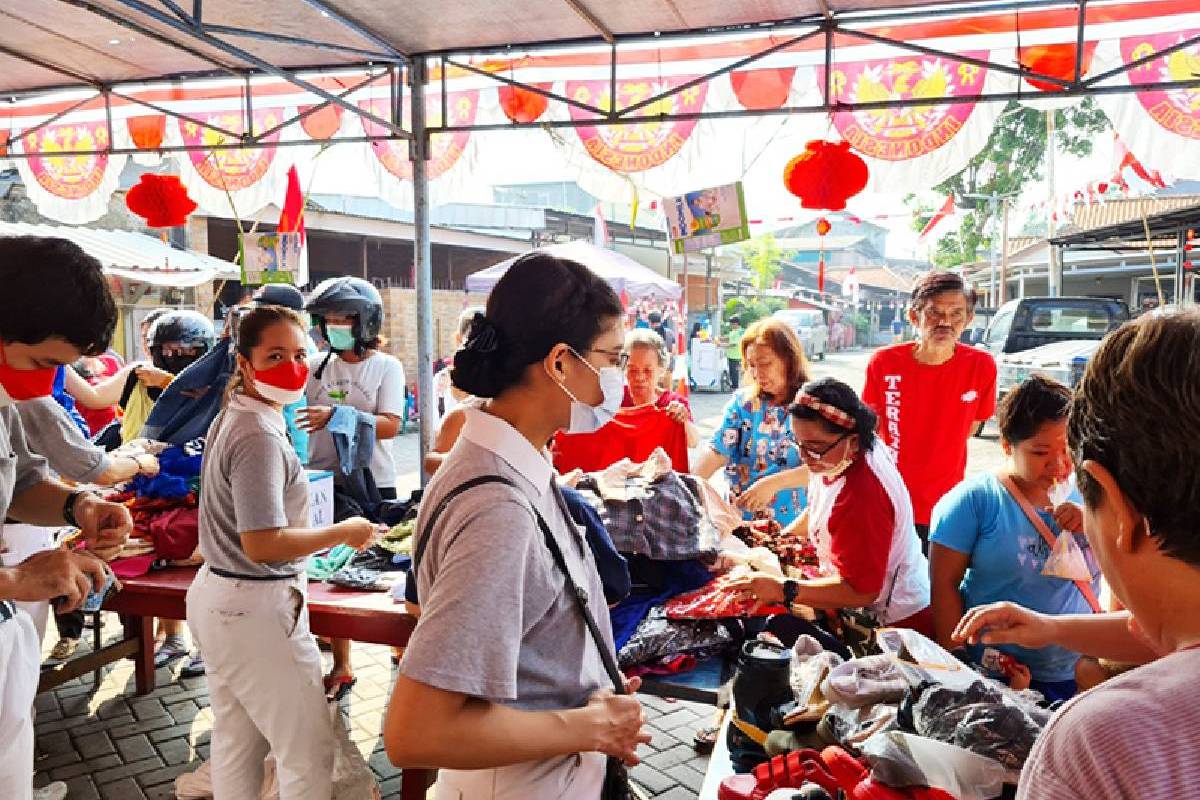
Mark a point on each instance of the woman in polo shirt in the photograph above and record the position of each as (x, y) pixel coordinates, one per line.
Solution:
(246, 608)
(502, 687)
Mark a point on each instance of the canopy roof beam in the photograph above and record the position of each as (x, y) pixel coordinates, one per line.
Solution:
(356, 27)
(199, 35)
(279, 38)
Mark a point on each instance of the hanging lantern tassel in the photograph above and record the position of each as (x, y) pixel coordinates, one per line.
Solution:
(823, 228)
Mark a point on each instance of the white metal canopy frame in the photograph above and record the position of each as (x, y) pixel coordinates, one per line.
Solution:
(108, 50)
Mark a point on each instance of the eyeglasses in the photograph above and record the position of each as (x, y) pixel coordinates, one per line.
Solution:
(817, 455)
(621, 356)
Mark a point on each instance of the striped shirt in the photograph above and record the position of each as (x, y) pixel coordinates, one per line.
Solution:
(1134, 736)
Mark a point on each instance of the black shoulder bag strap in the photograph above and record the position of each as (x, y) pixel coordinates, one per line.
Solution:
(423, 542)
(581, 597)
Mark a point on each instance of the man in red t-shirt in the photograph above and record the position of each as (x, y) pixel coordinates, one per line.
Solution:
(933, 394)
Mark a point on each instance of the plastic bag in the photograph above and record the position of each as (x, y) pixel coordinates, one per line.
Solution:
(658, 636)
(1066, 560)
(902, 760)
(923, 660)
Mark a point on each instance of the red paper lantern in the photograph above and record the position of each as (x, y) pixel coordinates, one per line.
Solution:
(323, 124)
(762, 89)
(1056, 61)
(521, 105)
(147, 132)
(823, 226)
(161, 200)
(825, 175)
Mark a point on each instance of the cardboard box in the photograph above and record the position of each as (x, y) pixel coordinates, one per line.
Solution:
(320, 498)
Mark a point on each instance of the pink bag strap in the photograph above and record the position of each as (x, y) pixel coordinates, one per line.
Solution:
(1040, 525)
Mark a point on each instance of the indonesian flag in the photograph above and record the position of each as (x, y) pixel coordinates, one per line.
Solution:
(1124, 158)
(946, 210)
(291, 220)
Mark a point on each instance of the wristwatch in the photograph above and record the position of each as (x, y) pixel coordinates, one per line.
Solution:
(790, 589)
(68, 511)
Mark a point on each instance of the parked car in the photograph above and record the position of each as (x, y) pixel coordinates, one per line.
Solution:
(1062, 361)
(973, 333)
(1031, 322)
(809, 325)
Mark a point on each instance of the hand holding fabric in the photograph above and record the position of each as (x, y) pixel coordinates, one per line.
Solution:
(759, 496)
(677, 411)
(105, 526)
(313, 418)
(761, 586)
(1004, 623)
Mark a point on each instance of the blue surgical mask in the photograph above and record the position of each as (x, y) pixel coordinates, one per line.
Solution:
(341, 337)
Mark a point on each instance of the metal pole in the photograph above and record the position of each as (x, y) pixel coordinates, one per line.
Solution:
(422, 269)
(992, 276)
(1054, 265)
(1004, 257)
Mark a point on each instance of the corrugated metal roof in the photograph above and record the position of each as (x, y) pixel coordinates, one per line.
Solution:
(134, 256)
(1126, 209)
(879, 277)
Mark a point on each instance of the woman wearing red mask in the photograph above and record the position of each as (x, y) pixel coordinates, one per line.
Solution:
(246, 608)
(859, 517)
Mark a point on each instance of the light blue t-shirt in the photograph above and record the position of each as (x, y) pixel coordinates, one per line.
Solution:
(980, 518)
(756, 438)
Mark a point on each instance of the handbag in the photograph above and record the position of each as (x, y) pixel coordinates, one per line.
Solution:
(617, 785)
(1040, 526)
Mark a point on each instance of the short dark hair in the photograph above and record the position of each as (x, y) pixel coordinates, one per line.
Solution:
(541, 301)
(1036, 401)
(251, 325)
(839, 395)
(930, 284)
(735, 320)
(52, 288)
(1134, 414)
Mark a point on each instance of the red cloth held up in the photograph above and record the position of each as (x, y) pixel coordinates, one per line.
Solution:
(715, 600)
(634, 434)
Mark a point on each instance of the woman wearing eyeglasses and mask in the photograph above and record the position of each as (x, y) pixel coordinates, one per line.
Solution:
(859, 517)
(503, 686)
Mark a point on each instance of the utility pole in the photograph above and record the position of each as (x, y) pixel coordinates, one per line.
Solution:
(1054, 268)
(1004, 257)
(995, 201)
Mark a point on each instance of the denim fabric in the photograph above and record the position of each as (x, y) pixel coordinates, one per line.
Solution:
(186, 409)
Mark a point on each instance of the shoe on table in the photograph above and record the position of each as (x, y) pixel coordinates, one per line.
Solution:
(51, 791)
(63, 651)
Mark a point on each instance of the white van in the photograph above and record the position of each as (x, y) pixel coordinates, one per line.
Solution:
(809, 325)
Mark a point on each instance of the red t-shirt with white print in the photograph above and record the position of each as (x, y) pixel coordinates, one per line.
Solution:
(927, 413)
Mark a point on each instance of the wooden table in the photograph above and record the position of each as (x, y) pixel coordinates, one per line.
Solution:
(332, 611)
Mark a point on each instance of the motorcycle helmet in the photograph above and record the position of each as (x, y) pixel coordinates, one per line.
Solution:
(180, 337)
(280, 294)
(351, 297)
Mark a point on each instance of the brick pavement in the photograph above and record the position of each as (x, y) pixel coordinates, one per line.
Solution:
(107, 743)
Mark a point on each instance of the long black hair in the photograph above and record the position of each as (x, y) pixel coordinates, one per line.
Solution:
(540, 302)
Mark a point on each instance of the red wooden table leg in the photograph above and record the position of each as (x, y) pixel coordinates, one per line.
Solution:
(142, 629)
(415, 783)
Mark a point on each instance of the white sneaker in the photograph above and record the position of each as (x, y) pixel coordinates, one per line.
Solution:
(51, 791)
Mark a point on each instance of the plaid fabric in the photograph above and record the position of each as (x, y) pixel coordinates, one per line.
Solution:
(668, 524)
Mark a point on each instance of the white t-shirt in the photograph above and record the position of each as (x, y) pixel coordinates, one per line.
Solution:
(376, 386)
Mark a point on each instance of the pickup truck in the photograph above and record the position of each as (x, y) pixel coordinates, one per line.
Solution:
(1051, 336)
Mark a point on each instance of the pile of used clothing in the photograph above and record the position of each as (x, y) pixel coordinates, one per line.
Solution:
(912, 720)
(165, 510)
(376, 569)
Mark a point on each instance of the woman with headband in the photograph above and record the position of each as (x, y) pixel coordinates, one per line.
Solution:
(859, 517)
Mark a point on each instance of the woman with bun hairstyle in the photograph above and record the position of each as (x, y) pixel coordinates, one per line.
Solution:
(502, 686)
(246, 607)
(859, 517)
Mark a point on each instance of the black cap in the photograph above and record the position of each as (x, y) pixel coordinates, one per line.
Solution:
(280, 294)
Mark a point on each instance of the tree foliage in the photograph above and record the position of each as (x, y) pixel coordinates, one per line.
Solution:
(749, 310)
(1014, 157)
(762, 255)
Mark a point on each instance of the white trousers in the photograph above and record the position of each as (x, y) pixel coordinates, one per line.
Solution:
(19, 542)
(264, 682)
(20, 655)
(578, 777)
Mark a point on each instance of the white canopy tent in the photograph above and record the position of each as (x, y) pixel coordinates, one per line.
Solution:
(626, 276)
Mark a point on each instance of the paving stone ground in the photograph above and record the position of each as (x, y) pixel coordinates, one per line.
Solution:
(107, 743)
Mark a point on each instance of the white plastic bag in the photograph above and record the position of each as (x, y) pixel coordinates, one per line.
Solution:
(898, 758)
(1066, 560)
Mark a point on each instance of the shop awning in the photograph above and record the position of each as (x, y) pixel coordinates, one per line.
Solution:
(134, 256)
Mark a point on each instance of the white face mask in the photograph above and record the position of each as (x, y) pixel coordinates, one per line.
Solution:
(586, 418)
(284, 397)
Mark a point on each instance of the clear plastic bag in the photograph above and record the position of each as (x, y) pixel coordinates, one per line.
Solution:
(901, 760)
(1066, 560)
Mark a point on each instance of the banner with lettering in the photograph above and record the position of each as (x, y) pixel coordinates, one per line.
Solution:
(74, 189)
(642, 146)
(251, 177)
(1158, 121)
(918, 146)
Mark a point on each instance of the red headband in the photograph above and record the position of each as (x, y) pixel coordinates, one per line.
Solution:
(832, 413)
